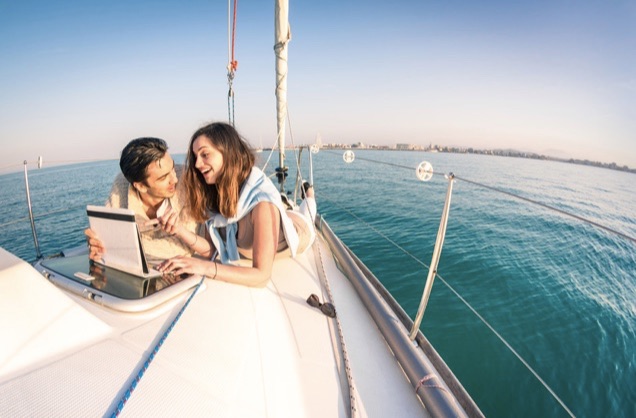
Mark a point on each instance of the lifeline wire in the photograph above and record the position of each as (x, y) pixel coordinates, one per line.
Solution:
(495, 189)
(140, 374)
(468, 305)
(580, 218)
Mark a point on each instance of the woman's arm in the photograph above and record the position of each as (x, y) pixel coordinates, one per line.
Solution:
(266, 219)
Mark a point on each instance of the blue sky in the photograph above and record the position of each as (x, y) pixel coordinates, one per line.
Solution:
(79, 79)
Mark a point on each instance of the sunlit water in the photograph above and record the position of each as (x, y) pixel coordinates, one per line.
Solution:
(561, 292)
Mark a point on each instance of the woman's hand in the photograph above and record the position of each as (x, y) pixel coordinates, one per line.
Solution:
(169, 222)
(188, 265)
(96, 247)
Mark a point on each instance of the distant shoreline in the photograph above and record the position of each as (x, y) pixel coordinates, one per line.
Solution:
(496, 152)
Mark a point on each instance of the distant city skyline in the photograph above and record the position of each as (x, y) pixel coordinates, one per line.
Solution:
(79, 79)
(552, 154)
(485, 151)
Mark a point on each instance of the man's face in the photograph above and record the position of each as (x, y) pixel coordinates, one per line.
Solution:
(162, 179)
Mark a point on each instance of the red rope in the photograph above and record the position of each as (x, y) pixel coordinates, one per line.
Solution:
(233, 62)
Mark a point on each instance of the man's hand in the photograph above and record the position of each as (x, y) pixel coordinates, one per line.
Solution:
(95, 247)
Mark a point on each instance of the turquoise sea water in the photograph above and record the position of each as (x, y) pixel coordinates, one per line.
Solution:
(559, 291)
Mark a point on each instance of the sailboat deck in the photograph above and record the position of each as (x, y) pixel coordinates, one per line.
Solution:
(235, 351)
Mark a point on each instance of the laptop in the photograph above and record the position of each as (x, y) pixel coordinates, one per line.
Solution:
(118, 230)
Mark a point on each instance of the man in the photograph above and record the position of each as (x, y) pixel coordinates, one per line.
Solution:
(147, 184)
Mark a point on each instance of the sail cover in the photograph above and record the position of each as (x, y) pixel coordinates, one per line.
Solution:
(283, 36)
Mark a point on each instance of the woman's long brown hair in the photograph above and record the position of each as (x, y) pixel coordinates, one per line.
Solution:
(238, 160)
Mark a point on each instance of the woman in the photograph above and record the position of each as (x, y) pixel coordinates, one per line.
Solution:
(242, 209)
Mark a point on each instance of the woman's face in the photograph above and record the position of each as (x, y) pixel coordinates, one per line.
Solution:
(208, 159)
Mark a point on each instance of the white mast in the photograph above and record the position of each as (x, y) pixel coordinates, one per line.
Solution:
(282, 37)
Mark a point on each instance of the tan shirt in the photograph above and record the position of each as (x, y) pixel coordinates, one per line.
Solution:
(157, 244)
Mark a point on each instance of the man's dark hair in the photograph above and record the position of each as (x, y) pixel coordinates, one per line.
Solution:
(137, 156)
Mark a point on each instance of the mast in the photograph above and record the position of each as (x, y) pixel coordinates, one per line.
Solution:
(282, 38)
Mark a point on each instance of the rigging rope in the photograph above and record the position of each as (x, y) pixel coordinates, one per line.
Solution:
(293, 147)
(232, 65)
(353, 411)
(299, 177)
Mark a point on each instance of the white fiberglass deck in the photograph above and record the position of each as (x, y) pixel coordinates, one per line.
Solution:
(236, 351)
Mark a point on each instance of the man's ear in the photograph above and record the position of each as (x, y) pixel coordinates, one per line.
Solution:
(141, 188)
